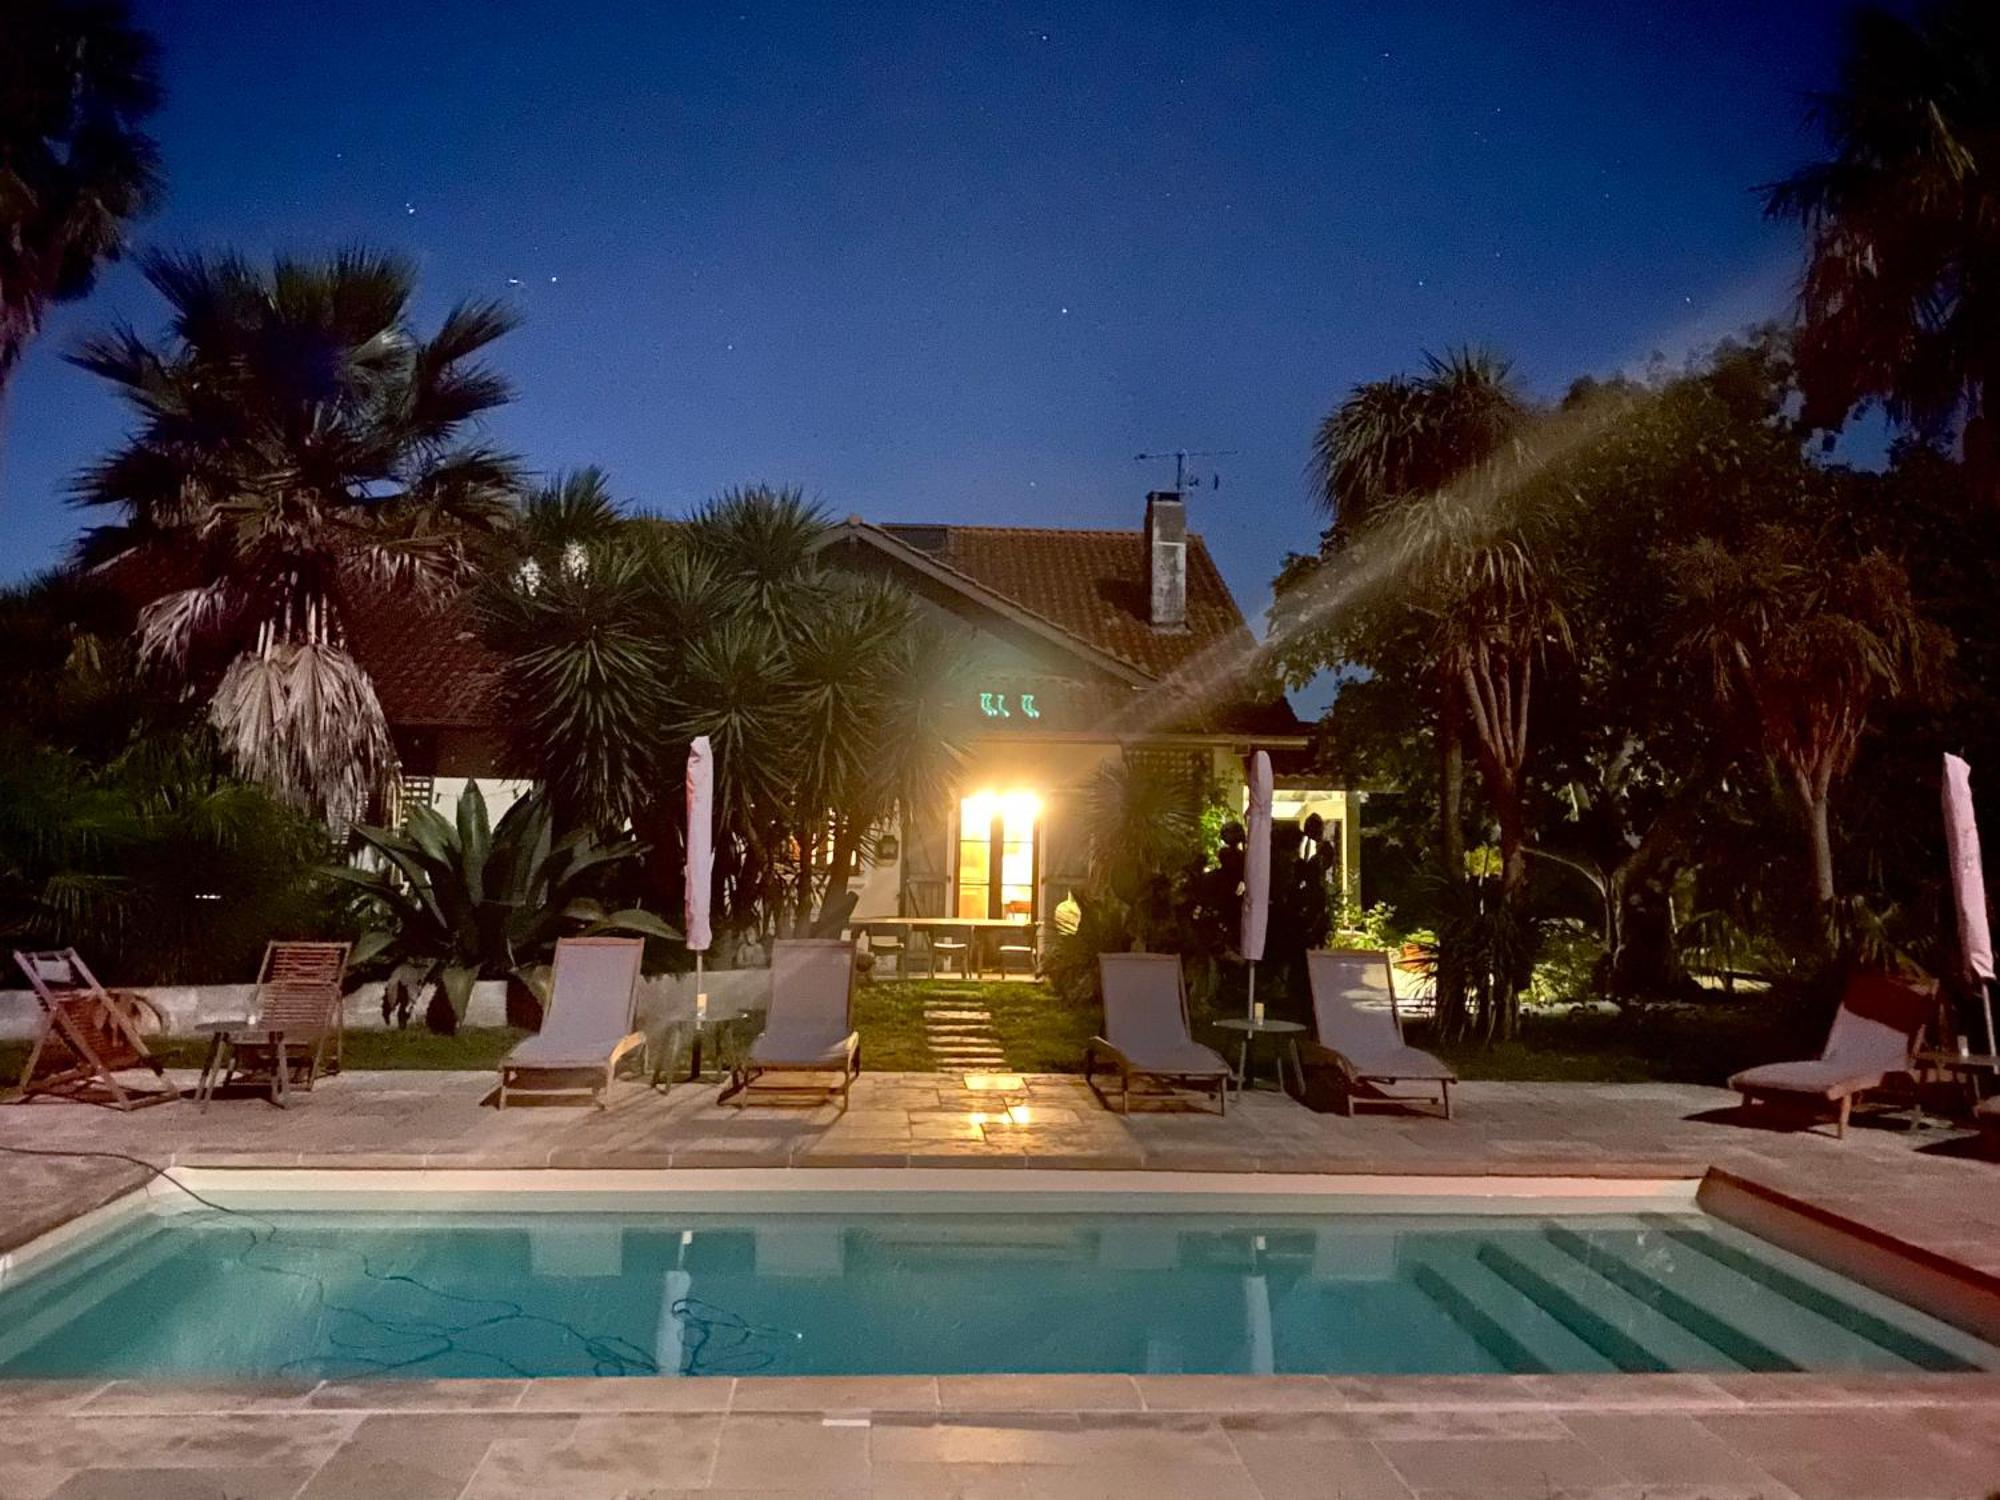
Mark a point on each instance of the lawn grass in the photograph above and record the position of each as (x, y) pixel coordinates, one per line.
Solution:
(1038, 1033)
(1668, 1044)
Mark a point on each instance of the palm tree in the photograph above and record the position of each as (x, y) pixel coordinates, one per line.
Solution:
(1901, 292)
(1409, 439)
(1413, 435)
(300, 448)
(1803, 637)
(829, 703)
(77, 79)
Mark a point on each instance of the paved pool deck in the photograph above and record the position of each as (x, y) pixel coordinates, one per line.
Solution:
(1160, 1437)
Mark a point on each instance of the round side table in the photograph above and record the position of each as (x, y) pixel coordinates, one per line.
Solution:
(1287, 1033)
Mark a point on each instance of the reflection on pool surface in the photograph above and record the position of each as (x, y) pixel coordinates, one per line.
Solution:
(350, 1294)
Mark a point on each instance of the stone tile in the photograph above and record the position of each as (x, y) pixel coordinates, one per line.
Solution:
(419, 1395)
(1236, 1392)
(604, 1458)
(421, 1456)
(1107, 1439)
(1287, 1468)
(841, 1393)
(31, 1481)
(159, 1397)
(1410, 1424)
(598, 1393)
(1140, 1480)
(895, 1481)
(1849, 1455)
(230, 1483)
(1498, 1467)
(1663, 1449)
(790, 1453)
(20, 1396)
(273, 1440)
(997, 1393)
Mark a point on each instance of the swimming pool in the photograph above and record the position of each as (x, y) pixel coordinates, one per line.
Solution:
(362, 1284)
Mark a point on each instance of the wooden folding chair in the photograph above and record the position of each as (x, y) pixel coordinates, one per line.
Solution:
(298, 1012)
(86, 1039)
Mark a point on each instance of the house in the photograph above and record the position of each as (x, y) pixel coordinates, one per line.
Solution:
(1092, 647)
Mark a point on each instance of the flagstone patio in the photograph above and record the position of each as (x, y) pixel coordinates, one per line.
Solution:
(968, 1437)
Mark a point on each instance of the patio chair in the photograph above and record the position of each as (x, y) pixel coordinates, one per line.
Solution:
(1146, 1031)
(888, 941)
(86, 1038)
(1880, 1022)
(296, 1015)
(1358, 1033)
(586, 1026)
(810, 1025)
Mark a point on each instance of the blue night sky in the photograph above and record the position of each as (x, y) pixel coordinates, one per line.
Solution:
(961, 262)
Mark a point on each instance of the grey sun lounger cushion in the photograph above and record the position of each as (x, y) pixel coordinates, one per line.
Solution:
(800, 1049)
(1146, 1029)
(810, 1025)
(812, 1000)
(1355, 1023)
(1872, 1038)
(587, 1023)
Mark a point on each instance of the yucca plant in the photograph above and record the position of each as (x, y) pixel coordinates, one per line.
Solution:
(463, 900)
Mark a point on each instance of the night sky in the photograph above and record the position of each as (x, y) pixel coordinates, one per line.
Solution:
(961, 262)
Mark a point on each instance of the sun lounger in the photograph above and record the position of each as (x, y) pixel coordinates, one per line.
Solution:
(810, 1026)
(86, 1038)
(297, 1014)
(1880, 1022)
(1360, 1035)
(586, 1026)
(1146, 1031)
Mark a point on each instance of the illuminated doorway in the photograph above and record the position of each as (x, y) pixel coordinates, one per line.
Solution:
(998, 855)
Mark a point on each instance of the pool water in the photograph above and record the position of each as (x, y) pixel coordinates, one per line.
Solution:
(349, 1294)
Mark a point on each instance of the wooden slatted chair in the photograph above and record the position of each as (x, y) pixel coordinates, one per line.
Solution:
(298, 1014)
(87, 1038)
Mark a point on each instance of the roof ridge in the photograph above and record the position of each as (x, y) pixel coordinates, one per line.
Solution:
(1131, 531)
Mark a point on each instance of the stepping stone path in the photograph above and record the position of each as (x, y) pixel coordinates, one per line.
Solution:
(961, 1036)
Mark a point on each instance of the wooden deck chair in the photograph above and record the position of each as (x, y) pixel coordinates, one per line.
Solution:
(297, 1015)
(86, 1038)
(1874, 1034)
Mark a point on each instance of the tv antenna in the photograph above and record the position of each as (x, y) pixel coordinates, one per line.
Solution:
(1185, 478)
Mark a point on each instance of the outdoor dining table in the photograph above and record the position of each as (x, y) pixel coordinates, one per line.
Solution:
(972, 927)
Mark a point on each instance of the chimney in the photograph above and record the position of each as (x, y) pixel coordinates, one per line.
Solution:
(1166, 559)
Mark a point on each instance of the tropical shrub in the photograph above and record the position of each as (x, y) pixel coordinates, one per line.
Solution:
(829, 701)
(461, 900)
(158, 863)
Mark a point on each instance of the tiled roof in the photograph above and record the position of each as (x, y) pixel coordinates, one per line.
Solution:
(432, 671)
(423, 653)
(1091, 584)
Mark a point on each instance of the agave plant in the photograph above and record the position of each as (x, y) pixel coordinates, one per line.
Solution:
(465, 900)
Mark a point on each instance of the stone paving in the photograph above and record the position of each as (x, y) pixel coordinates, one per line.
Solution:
(1161, 1437)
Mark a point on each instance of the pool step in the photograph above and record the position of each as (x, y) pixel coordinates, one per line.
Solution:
(1650, 1287)
(1520, 1335)
(1806, 1322)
